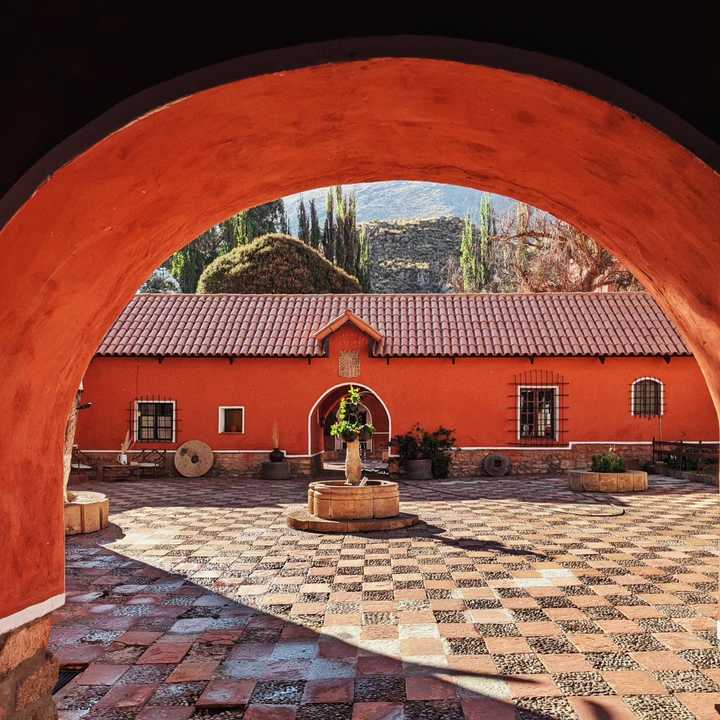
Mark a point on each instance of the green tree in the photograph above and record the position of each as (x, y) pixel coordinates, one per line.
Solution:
(476, 244)
(315, 234)
(328, 233)
(363, 273)
(261, 220)
(275, 264)
(303, 223)
(187, 264)
(468, 257)
(340, 236)
(161, 281)
(486, 234)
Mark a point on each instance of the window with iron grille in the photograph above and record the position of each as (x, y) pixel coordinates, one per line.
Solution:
(647, 397)
(538, 408)
(537, 413)
(154, 421)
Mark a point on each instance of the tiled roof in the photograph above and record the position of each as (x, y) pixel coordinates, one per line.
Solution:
(410, 325)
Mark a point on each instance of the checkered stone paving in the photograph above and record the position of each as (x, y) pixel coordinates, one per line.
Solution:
(514, 598)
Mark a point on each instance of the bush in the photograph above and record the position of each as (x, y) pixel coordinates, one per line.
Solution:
(275, 263)
(419, 444)
(608, 462)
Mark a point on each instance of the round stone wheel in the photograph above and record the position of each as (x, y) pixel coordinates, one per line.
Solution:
(193, 458)
(496, 465)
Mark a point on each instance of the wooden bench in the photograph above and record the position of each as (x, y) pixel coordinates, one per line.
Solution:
(145, 464)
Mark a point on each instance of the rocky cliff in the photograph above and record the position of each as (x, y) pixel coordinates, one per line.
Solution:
(412, 255)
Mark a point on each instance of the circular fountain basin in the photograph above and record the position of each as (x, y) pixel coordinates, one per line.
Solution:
(334, 506)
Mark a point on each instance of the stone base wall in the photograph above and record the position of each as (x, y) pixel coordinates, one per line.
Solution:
(468, 463)
(28, 673)
(249, 465)
(239, 465)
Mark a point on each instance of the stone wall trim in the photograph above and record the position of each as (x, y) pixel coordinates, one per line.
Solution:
(28, 614)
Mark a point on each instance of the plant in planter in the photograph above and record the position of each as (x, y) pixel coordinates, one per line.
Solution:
(608, 462)
(350, 427)
(423, 454)
(276, 455)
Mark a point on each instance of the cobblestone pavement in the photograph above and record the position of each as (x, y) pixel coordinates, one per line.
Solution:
(515, 599)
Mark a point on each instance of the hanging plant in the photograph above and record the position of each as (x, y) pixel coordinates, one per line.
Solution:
(349, 425)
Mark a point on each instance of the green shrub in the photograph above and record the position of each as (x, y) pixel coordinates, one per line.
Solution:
(419, 444)
(608, 462)
(349, 425)
(275, 263)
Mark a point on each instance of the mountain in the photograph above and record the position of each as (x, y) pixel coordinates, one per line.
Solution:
(401, 200)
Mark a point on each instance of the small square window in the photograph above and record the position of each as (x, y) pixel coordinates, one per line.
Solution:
(232, 420)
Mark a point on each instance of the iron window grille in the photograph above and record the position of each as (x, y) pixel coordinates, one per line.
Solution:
(538, 408)
(647, 397)
(154, 421)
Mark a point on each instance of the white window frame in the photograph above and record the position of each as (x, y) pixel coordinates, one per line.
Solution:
(221, 419)
(556, 388)
(136, 429)
(662, 396)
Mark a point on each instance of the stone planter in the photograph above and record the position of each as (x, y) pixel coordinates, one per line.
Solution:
(87, 512)
(418, 469)
(587, 481)
(276, 470)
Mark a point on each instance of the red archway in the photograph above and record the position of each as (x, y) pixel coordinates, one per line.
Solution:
(96, 227)
(325, 407)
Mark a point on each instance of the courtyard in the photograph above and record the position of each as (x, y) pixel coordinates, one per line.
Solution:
(514, 598)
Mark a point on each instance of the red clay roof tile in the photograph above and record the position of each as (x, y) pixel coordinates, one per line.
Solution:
(483, 324)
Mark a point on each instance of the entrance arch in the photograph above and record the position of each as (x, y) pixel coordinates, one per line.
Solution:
(330, 398)
(91, 221)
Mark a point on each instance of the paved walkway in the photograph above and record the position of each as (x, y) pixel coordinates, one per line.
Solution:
(516, 599)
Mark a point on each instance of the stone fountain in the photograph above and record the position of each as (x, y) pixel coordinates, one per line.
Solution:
(355, 504)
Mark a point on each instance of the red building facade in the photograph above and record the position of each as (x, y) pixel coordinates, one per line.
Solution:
(546, 379)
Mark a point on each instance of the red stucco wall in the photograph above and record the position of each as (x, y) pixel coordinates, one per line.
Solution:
(473, 395)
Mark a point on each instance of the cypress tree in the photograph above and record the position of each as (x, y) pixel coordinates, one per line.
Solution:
(486, 233)
(468, 257)
(303, 223)
(315, 235)
(328, 234)
(363, 264)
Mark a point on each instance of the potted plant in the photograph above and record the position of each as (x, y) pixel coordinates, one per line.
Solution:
(425, 455)
(350, 427)
(276, 455)
(608, 462)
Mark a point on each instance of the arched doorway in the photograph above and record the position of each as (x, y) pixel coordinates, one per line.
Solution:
(115, 206)
(322, 416)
